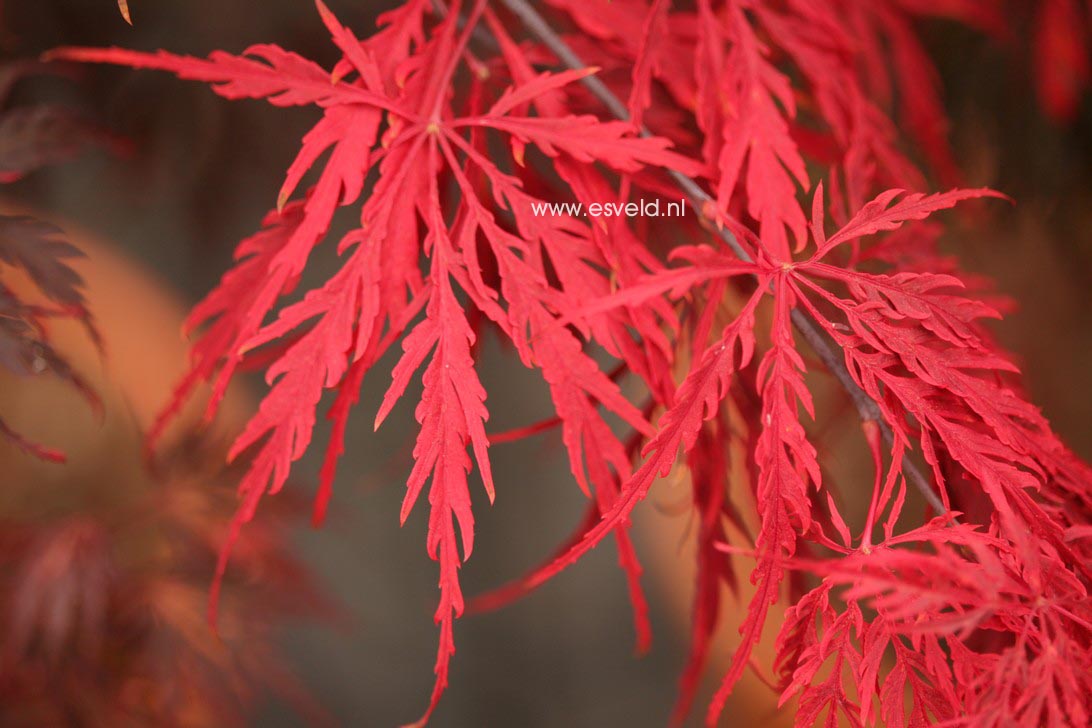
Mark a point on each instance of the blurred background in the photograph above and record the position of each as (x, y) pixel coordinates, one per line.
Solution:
(159, 223)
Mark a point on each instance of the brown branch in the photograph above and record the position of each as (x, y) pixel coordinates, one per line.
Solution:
(808, 327)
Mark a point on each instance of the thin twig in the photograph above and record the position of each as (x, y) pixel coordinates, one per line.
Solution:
(809, 329)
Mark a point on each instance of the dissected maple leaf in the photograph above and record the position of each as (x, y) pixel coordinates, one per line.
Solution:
(756, 131)
(395, 119)
(906, 324)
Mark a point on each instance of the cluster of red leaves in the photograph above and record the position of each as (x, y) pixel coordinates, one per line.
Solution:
(977, 617)
(102, 600)
(32, 137)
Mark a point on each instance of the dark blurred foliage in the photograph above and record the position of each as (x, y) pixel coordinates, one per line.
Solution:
(200, 176)
(33, 137)
(103, 601)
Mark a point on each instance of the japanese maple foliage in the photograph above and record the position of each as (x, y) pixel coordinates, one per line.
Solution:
(447, 133)
(33, 137)
(102, 607)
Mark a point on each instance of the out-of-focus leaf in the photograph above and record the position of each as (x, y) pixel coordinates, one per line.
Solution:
(37, 248)
(40, 136)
